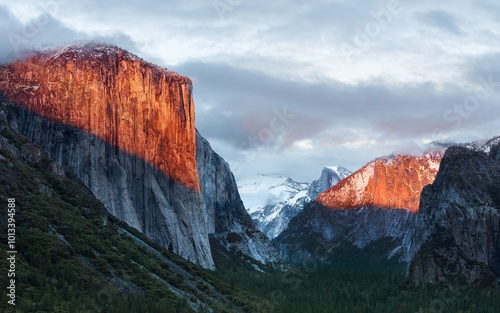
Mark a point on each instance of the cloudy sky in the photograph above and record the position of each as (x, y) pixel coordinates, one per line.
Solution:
(287, 87)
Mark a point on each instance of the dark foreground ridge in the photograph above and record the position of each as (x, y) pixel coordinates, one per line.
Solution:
(456, 237)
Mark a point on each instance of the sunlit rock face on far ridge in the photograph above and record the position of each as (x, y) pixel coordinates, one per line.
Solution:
(373, 208)
(388, 182)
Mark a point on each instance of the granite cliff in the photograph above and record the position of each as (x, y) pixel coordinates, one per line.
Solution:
(387, 182)
(228, 221)
(456, 237)
(126, 129)
(134, 106)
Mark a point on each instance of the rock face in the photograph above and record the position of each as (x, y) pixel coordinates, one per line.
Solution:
(223, 204)
(329, 177)
(373, 205)
(456, 237)
(130, 188)
(126, 129)
(388, 182)
(324, 231)
(273, 201)
(136, 107)
(227, 220)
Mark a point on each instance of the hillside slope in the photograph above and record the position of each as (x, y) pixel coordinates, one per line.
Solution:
(73, 256)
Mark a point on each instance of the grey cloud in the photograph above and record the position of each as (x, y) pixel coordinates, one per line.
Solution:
(298, 38)
(441, 20)
(17, 38)
(242, 104)
(8, 22)
(481, 67)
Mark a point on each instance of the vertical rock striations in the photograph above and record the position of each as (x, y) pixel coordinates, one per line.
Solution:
(136, 107)
(456, 237)
(223, 205)
(126, 128)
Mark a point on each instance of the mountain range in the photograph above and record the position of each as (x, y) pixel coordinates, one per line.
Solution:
(273, 201)
(119, 192)
(374, 204)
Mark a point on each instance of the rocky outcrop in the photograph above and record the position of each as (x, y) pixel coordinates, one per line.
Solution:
(227, 220)
(126, 128)
(223, 204)
(329, 177)
(375, 204)
(134, 106)
(319, 230)
(456, 237)
(388, 182)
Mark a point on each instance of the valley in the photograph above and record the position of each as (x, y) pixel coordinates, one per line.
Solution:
(123, 206)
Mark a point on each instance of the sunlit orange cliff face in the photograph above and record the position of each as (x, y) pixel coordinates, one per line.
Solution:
(135, 106)
(393, 183)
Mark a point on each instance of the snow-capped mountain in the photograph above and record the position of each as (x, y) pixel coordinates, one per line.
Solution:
(482, 146)
(272, 201)
(330, 176)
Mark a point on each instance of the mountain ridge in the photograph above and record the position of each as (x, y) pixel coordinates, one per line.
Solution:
(390, 182)
(349, 214)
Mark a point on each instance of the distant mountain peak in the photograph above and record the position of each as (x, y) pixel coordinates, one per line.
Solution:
(273, 200)
(330, 176)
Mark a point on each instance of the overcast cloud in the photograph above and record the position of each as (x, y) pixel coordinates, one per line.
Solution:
(287, 87)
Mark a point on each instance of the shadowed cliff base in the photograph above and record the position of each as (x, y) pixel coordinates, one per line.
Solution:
(130, 188)
(325, 234)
